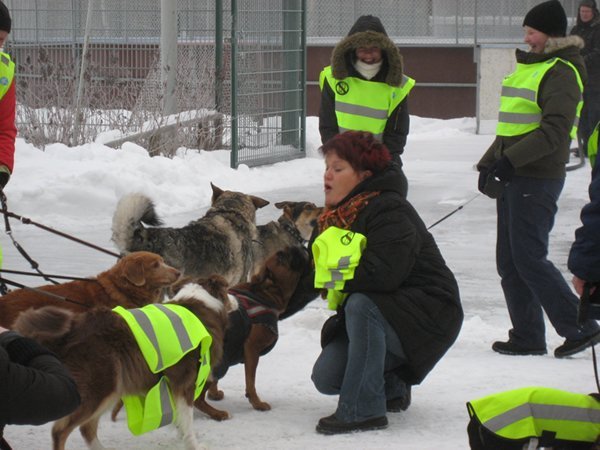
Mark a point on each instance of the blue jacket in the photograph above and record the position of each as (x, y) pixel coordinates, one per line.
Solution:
(584, 258)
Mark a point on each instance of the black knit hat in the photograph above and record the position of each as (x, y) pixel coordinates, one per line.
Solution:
(548, 17)
(5, 21)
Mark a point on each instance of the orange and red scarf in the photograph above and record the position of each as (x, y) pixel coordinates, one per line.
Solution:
(343, 216)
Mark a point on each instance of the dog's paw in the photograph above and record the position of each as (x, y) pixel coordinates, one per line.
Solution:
(215, 395)
(261, 406)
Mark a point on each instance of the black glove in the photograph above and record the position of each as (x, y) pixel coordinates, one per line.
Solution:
(503, 170)
(483, 174)
(4, 176)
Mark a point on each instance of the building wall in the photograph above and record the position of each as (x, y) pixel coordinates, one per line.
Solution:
(446, 80)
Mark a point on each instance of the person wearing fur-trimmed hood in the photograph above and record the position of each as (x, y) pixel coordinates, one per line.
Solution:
(365, 89)
(524, 169)
(588, 28)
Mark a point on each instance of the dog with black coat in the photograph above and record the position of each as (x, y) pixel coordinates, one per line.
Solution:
(253, 330)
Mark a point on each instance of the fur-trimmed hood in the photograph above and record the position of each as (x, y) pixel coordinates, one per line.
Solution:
(367, 32)
(554, 44)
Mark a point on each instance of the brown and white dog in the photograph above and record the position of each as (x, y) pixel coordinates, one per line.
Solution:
(137, 279)
(253, 326)
(105, 361)
(293, 227)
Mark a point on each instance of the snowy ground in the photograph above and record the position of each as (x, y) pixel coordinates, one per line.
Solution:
(76, 190)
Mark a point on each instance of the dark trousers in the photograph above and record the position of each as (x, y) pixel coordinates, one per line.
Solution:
(531, 283)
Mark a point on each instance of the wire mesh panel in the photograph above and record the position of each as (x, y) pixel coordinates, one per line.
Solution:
(268, 77)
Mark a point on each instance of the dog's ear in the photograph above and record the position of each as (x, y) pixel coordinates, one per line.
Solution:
(258, 202)
(217, 191)
(133, 270)
(282, 205)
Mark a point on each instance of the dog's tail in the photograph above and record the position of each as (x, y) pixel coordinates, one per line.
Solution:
(131, 211)
(45, 324)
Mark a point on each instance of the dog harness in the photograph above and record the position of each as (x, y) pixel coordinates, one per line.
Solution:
(164, 333)
(251, 312)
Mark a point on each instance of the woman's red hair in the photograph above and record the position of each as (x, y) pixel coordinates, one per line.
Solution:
(360, 149)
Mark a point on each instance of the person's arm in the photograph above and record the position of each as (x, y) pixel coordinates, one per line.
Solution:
(584, 257)
(396, 129)
(328, 125)
(8, 132)
(591, 52)
(391, 251)
(35, 387)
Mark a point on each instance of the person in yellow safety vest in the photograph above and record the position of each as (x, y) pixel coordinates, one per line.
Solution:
(164, 333)
(534, 417)
(8, 102)
(540, 103)
(397, 303)
(365, 89)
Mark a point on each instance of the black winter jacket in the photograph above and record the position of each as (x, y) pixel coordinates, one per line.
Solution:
(342, 59)
(35, 387)
(590, 33)
(404, 274)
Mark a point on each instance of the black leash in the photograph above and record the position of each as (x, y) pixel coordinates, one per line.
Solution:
(455, 211)
(31, 274)
(28, 221)
(32, 262)
(40, 291)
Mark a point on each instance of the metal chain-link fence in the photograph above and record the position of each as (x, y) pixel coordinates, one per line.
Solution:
(426, 22)
(88, 67)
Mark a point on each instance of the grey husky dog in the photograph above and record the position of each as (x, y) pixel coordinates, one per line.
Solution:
(220, 242)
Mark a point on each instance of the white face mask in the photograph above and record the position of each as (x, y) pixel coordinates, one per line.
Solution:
(367, 70)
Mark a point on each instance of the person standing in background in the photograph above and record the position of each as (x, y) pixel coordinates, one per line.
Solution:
(8, 102)
(539, 106)
(588, 28)
(365, 89)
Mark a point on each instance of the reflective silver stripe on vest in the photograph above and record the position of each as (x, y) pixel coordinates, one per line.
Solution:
(176, 323)
(539, 411)
(178, 327)
(523, 119)
(527, 94)
(329, 285)
(359, 110)
(404, 80)
(165, 403)
(146, 326)
(378, 136)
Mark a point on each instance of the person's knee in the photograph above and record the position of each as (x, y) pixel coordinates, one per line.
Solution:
(358, 305)
(323, 381)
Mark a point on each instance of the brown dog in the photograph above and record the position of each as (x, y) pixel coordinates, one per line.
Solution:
(135, 280)
(101, 353)
(253, 326)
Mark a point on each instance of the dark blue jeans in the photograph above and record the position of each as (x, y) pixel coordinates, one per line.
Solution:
(530, 282)
(359, 365)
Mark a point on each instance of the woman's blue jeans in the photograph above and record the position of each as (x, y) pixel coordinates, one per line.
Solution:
(358, 365)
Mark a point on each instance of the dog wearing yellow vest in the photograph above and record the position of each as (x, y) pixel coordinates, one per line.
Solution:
(110, 355)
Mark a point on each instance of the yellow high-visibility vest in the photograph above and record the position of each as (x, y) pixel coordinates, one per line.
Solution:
(362, 105)
(527, 412)
(336, 253)
(7, 73)
(164, 333)
(519, 111)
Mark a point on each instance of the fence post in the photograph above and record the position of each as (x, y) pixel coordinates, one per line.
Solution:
(168, 71)
(83, 67)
